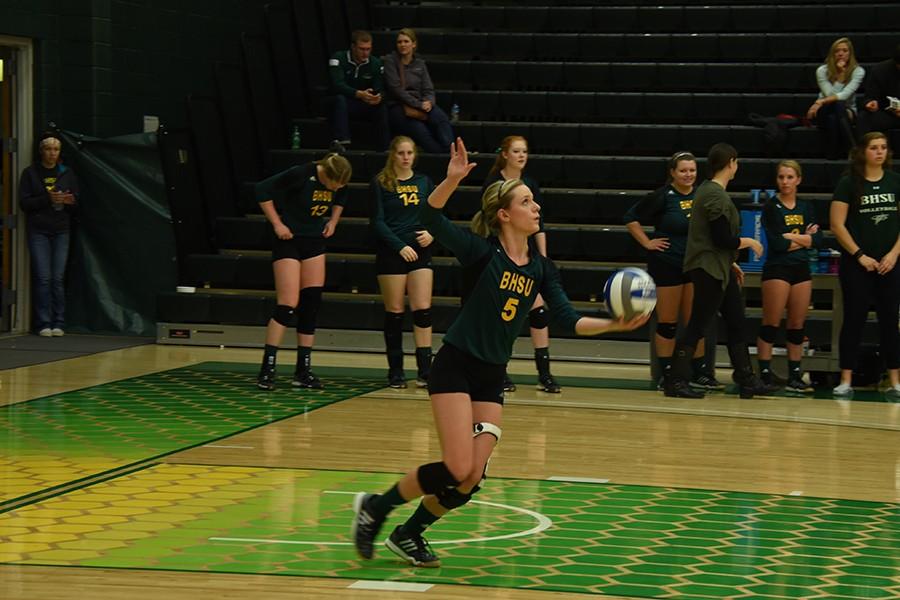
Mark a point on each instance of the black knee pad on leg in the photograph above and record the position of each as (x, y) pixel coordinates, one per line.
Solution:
(538, 318)
(666, 330)
(422, 318)
(768, 333)
(435, 478)
(451, 498)
(285, 315)
(310, 301)
(795, 336)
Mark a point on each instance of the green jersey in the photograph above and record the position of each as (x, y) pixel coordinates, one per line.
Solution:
(872, 222)
(347, 76)
(669, 211)
(778, 220)
(394, 216)
(497, 293)
(300, 198)
(711, 201)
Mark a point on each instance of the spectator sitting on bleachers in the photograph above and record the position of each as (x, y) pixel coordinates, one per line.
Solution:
(412, 110)
(357, 82)
(835, 108)
(883, 81)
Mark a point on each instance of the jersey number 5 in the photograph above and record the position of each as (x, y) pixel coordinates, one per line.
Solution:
(509, 310)
(409, 198)
(318, 210)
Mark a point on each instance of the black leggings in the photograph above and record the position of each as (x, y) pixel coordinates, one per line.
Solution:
(709, 297)
(860, 289)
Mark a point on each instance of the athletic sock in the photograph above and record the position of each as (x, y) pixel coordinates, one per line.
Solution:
(764, 365)
(419, 521)
(393, 340)
(304, 360)
(269, 355)
(386, 502)
(542, 361)
(794, 368)
(698, 366)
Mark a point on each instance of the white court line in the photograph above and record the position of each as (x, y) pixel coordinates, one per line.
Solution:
(393, 586)
(577, 479)
(224, 446)
(796, 493)
(543, 523)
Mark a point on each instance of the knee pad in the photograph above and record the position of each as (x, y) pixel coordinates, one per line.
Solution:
(767, 333)
(422, 318)
(485, 427)
(666, 330)
(539, 318)
(310, 301)
(285, 315)
(795, 336)
(451, 498)
(435, 478)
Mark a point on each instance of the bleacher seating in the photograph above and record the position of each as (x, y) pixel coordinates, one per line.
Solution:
(603, 93)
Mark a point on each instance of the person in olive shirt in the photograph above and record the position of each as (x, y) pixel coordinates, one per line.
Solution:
(865, 222)
(403, 257)
(791, 230)
(357, 82)
(296, 203)
(504, 276)
(711, 250)
(510, 164)
(668, 209)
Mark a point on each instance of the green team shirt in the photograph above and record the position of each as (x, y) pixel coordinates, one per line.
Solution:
(711, 201)
(669, 211)
(347, 76)
(779, 219)
(498, 294)
(873, 224)
(394, 216)
(300, 198)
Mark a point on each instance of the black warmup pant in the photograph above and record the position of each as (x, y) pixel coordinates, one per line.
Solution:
(709, 298)
(861, 288)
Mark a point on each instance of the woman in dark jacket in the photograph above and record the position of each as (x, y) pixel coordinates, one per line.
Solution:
(412, 110)
(48, 193)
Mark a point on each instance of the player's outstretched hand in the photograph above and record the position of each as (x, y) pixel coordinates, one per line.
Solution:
(459, 165)
(621, 324)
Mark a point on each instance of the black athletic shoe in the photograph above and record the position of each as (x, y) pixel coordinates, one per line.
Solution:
(365, 525)
(397, 380)
(546, 383)
(307, 379)
(796, 385)
(266, 379)
(679, 388)
(508, 385)
(706, 382)
(754, 386)
(769, 377)
(413, 549)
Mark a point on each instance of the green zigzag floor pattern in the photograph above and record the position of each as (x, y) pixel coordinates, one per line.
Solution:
(63, 438)
(646, 542)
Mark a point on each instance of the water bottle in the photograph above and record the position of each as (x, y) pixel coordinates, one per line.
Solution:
(454, 113)
(295, 138)
(813, 260)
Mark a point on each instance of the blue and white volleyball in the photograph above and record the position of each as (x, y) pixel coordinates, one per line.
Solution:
(630, 292)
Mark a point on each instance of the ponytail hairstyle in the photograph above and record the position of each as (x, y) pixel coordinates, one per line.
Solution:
(496, 196)
(675, 159)
(336, 168)
(387, 177)
(500, 162)
(857, 167)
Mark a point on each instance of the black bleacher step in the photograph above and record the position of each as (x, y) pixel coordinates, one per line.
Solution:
(366, 311)
(721, 46)
(591, 171)
(626, 76)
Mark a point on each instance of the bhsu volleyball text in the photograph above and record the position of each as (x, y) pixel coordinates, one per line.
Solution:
(517, 283)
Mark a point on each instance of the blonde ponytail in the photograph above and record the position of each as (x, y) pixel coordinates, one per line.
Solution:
(496, 196)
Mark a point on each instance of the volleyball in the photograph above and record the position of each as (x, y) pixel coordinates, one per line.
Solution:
(630, 292)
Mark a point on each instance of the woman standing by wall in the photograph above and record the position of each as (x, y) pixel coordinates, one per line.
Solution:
(865, 222)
